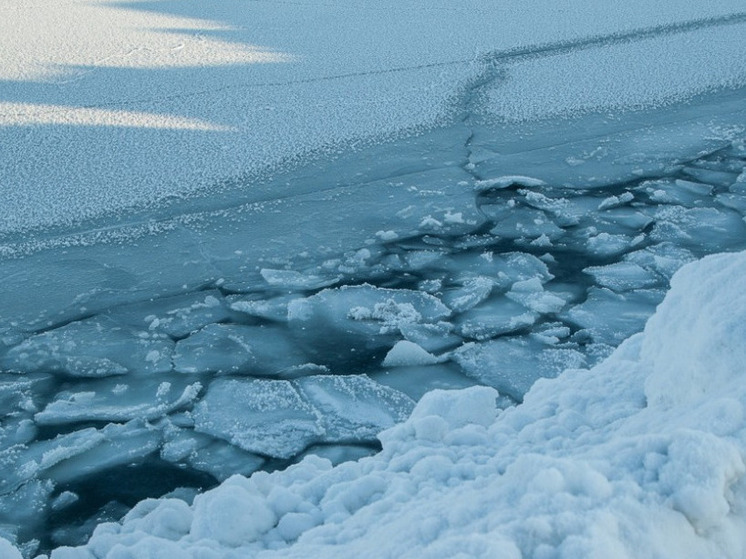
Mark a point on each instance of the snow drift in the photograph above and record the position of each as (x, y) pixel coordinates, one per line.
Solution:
(641, 456)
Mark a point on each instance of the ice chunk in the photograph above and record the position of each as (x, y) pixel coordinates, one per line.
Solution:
(354, 408)
(275, 308)
(709, 176)
(494, 317)
(407, 354)
(664, 258)
(357, 324)
(506, 182)
(503, 269)
(235, 348)
(526, 223)
(207, 454)
(116, 445)
(621, 220)
(624, 276)
(683, 193)
(512, 365)
(23, 393)
(708, 229)
(616, 201)
(565, 211)
(416, 381)
(530, 293)
(611, 318)
(294, 281)
(176, 316)
(470, 293)
(97, 347)
(431, 337)
(266, 417)
(607, 244)
(146, 399)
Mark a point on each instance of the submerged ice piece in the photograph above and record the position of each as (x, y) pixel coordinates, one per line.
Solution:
(97, 347)
(268, 417)
(357, 325)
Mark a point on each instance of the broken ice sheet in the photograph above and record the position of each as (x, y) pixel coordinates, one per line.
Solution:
(610, 317)
(624, 276)
(358, 324)
(203, 452)
(176, 316)
(113, 400)
(266, 417)
(415, 381)
(496, 316)
(512, 365)
(239, 349)
(502, 269)
(354, 408)
(96, 347)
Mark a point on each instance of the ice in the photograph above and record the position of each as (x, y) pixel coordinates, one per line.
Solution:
(664, 258)
(96, 347)
(238, 349)
(267, 417)
(526, 223)
(698, 228)
(710, 176)
(530, 293)
(416, 381)
(207, 454)
(610, 317)
(275, 308)
(116, 445)
(407, 354)
(624, 445)
(353, 408)
(434, 338)
(680, 192)
(607, 245)
(147, 399)
(513, 365)
(294, 280)
(495, 317)
(623, 276)
(355, 324)
(175, 316)
(502, 269)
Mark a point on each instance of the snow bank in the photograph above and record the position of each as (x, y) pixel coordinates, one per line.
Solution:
(642, 456)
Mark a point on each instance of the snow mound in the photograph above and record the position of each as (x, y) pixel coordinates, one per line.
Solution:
(641, 456)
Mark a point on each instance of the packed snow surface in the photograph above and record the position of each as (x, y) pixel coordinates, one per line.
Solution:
(641, 456)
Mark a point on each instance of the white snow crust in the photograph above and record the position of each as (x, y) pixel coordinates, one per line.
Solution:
(640, 457)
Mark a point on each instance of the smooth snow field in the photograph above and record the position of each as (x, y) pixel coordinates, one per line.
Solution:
(372, 279)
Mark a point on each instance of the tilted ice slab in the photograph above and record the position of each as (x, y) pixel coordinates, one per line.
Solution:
(641, 456)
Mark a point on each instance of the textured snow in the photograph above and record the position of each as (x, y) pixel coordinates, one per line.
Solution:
(641, 456)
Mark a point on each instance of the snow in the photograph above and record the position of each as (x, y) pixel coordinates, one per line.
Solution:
(641, 456)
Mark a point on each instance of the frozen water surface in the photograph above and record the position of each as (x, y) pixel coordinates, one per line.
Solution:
(231, 245)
